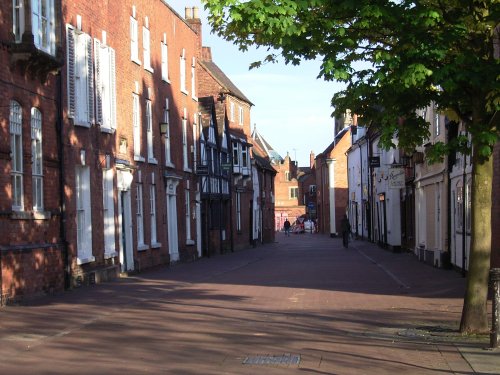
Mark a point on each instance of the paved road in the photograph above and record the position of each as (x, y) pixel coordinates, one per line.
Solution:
(303, 305)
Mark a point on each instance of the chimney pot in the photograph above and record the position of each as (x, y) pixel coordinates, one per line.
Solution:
(196, 13)
(189, 13)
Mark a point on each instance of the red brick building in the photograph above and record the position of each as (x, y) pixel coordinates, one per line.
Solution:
(102, 125)
(332, 184)
(31, 250)
(131, 117)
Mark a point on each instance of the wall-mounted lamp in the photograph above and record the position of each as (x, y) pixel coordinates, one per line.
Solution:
(163, 127)
(221, 97)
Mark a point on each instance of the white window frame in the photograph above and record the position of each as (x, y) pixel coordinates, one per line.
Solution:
(187, 214)
(437, 124)
(80, 75)
(193, 79)
(185, 159)
(146, 46)
(164, 59)
(236, 154)
(182, 63)
(105, 77)
(293, 192)
(139, 215)
(134, 38)
(152, 212)
(149, 131)
(166, 120)
(136, 127)
(18, 19)
(43, 25)
(238, 212)
(83, 215)
(16, 149)
(244, 156)
(37, 159)
(240, 110)
(231, 111)
(108, 212)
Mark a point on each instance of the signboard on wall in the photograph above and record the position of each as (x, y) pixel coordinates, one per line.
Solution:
(396, 178)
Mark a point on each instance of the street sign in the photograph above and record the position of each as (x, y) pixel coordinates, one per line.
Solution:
(226, 166)
(202, 170)
(310, 205)
(374, 161)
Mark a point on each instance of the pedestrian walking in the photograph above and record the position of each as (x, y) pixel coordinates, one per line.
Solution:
(287, 225)
(345, 227)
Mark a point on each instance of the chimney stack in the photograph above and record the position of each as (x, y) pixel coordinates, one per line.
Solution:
(193, 19)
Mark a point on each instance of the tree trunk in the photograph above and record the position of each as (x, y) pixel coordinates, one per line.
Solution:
(475, 313)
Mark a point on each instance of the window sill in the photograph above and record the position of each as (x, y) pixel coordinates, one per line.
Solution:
(139, 158)
(187, 169)
(184, 92)
(142, 247)
(137, 61)
(80, 261)
(190, 242)
(107, 130)
(110, 255)
(195, 98)
(152, 161)
(169, 164)
(166, 80)
(81, 124)
(155, 245)
(149, 69)
(30, 215)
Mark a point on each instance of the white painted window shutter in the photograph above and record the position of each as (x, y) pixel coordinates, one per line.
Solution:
(70, 43)
(112, 83)
(98, 78)
(90, 80)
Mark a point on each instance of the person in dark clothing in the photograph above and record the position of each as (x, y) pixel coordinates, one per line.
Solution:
(287, 225)
(345, 227)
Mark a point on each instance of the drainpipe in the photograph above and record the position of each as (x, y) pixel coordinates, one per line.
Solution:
(331, 186)
(62, 177)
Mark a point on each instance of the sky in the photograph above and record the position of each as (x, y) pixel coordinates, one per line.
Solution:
(292, 109)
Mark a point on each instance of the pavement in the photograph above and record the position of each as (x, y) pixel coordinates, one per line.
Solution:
(303, 304)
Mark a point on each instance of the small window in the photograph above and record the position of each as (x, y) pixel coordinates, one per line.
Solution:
(139, 214)
(437, 124)
(294, 192)
(152, 210)
(136, 125)
(183, 70)
(18, 19)
(16, 149)
(231, 112)
(241, 115)
(146, 45)
(36, 152)
(134, 39)
(164, 59)
(43, 26)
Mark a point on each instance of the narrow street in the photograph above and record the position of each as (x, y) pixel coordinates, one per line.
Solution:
(302, 305)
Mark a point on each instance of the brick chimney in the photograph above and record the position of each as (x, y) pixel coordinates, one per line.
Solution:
(193, 19)
(206, 54)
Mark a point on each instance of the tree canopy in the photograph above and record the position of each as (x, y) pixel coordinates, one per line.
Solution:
(396, 57)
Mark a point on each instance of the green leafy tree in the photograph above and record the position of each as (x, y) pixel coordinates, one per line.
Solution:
(396, 56)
